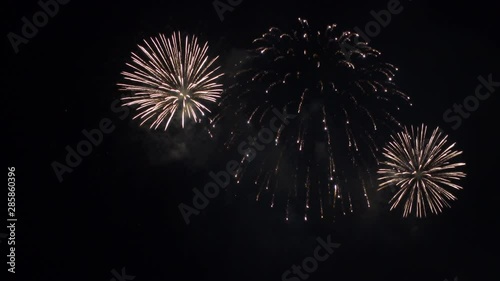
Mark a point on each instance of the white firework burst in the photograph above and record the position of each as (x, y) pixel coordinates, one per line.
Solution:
(341, 92)
(423, 169)
(169, 76)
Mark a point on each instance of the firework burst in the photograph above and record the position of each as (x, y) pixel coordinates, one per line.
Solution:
(171, 76)
(423, 169)
(340, 92)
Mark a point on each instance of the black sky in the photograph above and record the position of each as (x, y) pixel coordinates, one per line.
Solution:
(119, 207)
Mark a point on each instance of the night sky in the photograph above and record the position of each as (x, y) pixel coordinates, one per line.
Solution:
(119, 207)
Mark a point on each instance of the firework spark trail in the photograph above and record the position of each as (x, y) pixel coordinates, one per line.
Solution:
(422, 168)
(169, 76)
(341, 92)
